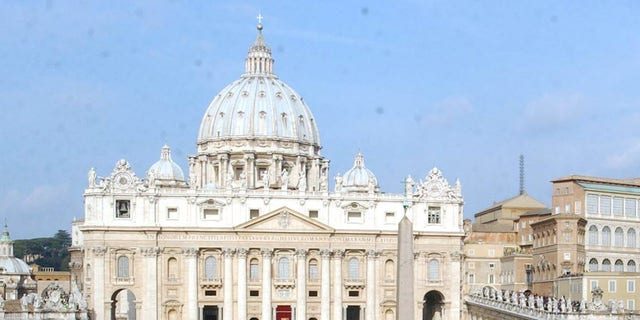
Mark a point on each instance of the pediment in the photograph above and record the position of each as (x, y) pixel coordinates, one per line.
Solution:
(284, 220)
(355, 206)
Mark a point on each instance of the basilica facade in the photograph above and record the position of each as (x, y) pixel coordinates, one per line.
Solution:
(255, 231)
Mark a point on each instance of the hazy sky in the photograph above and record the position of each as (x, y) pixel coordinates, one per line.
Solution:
(465, 86)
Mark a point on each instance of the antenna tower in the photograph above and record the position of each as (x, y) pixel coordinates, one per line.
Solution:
(522, 174)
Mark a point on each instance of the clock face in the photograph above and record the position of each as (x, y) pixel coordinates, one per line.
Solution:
(123, 180)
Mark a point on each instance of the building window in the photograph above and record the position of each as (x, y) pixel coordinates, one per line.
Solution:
(210, 293)
(631, 238)
(592, 204)
(254, 270)
(605, 205)
(313, 269)
(631, 286)
(313, 214)
(172, 269)
(434, 270)
(283, 268)
(254, 213)
(210, 268)
(492, 266)
(618, 266)
(606, 236)
(617, 206)
(313, 293)
(606, 265)
(630, 207)
(594, 284)
(492, 279)
(492, 252)
(471, 265)
(123, 267)
(389, 217)
(593, 235)
(353, 269)
(593, 265)
(472, 278)
(354, 293)
(210, 214)
(172, 213)
(122, 209)
(389, 269)
(354, 216)
(471, 252)
(254, 293)
(612, 286)
(433, 215)
(631, 304)
(619, 237)
(631, 266)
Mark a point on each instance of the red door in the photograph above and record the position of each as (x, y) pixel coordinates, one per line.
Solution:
(283, 313)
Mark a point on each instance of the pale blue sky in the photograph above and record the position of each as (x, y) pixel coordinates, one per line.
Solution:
(465, 86)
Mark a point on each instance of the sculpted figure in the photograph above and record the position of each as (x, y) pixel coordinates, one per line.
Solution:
(91, 176)
(285, 179)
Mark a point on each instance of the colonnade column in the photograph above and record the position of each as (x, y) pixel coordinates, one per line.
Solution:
(242, 283)
(150, 306)
(99, 303)
(301, 284)
(337, 283)
(372, 256)
(227, 311)
(266, 283)
(325, 286)
(191, 260)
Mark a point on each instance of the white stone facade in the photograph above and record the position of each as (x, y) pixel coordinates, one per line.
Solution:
(255, 232)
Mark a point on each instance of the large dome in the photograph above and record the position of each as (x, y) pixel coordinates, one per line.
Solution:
(259, 106)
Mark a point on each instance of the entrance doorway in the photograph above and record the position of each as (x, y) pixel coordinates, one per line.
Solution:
(433, 306)
(353, 312)
(210, 313)
(123, 305)
(283, 313)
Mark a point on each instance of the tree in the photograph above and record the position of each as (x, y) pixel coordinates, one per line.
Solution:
(50, 252)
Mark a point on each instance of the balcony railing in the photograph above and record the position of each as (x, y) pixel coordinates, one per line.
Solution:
(280, 283)
(354, 283)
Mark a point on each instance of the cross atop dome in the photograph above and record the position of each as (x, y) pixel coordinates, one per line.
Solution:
(259, 17)
(259, 60)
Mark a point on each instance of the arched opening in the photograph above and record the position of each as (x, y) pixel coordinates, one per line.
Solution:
(123, 305)
(433, 308)
(173, 314)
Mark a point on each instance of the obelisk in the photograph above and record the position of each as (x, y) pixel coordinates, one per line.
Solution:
(404, 284)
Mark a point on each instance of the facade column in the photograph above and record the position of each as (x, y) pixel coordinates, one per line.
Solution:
(325, 286)
(337, 284)
(250, 171)
(372, 257)
(99, 303)
(266, 283)
(301, 284)
(150, 305)
(228, 284)
(191, 261)
(242, 283)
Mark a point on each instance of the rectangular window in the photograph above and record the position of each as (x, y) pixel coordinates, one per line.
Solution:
(433, 215)
(612, 286)
(605, 205)
(567, 256)
(210, 214)
(592, 204)
(617, 206)
(313, 293)
(389, 217)
(576, 207)
(210, 293)
(122, 209)
(354, 293)
(594, 284)
(254, 293)
(472, 278)
(471, 252)
(492, 266)
(631, 304)
(492, 278)
(630, 207)
(172, 213)
(354, 216)
(567, 208)
(254, 213)
(471, 265)
(313, 214)
(631, 286)
(492, 252)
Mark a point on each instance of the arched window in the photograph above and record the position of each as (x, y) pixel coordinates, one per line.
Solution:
(123, 267)
(619, 237)
(606, 265)
(389, 269)
(388, 315)
(313, 269)
(353, 268)
(593, 265)
(283, 268)
(434, 270)
(210, 268)
(619, 266)
(631, 266)
(254, 270)
(631, 238)
(593, 235)
(606, 236)
(172, 268)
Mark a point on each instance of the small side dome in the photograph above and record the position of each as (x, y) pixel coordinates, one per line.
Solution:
(359, 178)
(165, 171)
(9, 264)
